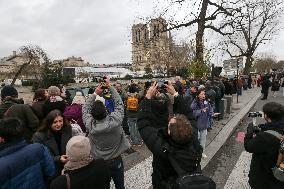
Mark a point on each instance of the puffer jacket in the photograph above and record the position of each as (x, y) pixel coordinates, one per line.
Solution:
(26, 166)
(264, 148)
(106, 136)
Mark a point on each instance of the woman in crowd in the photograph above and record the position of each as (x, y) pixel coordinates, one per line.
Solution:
(202, 110)
(83, 171)
(55, 133)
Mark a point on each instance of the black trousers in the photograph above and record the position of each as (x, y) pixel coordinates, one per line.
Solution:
(265, 94)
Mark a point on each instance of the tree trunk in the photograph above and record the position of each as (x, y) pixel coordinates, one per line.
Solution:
(248, 64)
(20, 71)
(200, 32)
(199, 46)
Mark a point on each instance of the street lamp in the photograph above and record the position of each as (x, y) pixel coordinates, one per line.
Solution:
(238, 62)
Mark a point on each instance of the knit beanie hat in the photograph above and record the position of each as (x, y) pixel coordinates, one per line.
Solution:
(9, 90)
(78, 150)
(53, 91)
(78, 98)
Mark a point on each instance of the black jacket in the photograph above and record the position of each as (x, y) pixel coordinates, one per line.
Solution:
(275, 86)
(49, 106)
(156, 140)
(47, 138)
(265, 85)
(211, 95)
(264, 147)
(95, 175)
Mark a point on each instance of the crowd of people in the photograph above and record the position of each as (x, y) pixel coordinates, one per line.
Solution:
(57, 142)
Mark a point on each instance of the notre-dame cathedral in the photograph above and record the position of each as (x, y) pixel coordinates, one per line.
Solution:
(151, 46)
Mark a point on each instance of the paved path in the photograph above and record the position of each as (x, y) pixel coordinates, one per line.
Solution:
(230, 166)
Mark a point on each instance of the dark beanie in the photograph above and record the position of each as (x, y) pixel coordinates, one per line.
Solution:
(9, 90)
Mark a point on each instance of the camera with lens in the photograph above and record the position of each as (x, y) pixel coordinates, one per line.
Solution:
(101, 80)
(254, 128)
(255, 114)
(162, 86)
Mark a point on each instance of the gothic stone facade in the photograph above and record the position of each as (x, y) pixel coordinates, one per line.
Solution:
(150, 46)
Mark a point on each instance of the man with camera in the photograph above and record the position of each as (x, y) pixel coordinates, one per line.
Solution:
(107, 138)
(264, 147)
(176, 139)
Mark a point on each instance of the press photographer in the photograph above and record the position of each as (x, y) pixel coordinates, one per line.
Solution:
(263, 141)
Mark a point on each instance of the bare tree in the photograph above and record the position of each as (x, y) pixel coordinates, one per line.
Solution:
(203, 14)
(255, 22)
(264, 64)
(35, 57)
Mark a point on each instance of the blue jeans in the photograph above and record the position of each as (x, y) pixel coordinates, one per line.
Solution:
(133, 130)
(117, 172)
(210, 122)
(202, 138)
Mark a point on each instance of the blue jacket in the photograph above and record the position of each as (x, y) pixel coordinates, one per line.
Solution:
(202, 117)
(25, 166)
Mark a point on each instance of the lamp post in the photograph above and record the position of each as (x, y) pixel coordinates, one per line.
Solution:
(212, 73)
(238, 77)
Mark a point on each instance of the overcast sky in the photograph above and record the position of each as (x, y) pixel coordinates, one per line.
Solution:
(96, 30)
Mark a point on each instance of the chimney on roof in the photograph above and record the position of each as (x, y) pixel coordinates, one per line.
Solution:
(14, 53)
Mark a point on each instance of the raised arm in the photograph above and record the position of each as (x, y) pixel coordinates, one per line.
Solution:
(86, 112)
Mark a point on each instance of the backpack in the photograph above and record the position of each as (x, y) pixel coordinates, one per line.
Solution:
(132, 103)
(278, 170)
(195, 180)
(110, 105)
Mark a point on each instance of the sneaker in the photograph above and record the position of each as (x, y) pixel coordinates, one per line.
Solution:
(204, 155)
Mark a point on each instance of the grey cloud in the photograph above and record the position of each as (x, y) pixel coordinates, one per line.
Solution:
(96, 30)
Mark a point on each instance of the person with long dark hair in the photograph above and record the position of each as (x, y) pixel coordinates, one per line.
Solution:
(54, 134)
(202, 110)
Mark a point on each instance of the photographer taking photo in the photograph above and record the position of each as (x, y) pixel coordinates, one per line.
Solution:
(106, 135)
(264, 147)
(176, 150)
